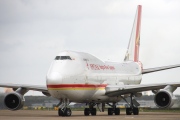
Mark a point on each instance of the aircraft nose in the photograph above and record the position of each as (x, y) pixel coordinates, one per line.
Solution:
(54, 78)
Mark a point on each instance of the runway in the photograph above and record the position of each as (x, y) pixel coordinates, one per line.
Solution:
(78, 115)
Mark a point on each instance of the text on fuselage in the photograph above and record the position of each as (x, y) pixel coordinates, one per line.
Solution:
(101, 67)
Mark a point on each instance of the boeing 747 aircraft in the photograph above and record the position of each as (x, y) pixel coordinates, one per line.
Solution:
(82, 78)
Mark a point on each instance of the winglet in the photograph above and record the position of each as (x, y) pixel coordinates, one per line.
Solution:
(132, 53)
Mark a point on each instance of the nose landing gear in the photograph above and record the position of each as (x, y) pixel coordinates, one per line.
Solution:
(63, 110)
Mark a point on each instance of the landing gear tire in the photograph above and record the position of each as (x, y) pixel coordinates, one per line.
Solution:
(135, 111)
(60, 112)
(110, 111)
(93, 111)
(117, 111)
(86, 111)
(66, 112)
(128, 111)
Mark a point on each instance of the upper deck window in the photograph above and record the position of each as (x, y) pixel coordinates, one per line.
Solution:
(63, 58)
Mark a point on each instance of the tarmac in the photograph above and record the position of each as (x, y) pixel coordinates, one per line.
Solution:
(78, 115)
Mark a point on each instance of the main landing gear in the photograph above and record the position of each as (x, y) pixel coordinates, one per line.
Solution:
(114, 110)
(91, 110)
(101, 106)
(63, 110)
(132, 109)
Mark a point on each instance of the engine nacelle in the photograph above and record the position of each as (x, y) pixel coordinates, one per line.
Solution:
(164, 99)
(14, 101)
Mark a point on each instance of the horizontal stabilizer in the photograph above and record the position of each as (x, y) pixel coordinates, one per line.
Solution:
(150, 70)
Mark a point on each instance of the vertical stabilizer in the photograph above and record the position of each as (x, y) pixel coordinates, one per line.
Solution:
(132, 53)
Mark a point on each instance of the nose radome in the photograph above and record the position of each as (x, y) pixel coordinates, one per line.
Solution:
(54, 78)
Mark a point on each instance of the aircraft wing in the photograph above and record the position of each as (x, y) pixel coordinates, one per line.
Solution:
(28, 87)
(145, 71)
(115, 90)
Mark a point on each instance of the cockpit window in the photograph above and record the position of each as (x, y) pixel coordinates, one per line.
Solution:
(63, 58)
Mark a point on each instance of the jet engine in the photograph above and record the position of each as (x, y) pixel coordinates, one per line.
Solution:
(164, 99)
(14, 101)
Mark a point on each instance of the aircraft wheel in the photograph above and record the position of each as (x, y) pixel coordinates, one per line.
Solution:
(110, 111)
(117, 111)
(128, 111)
(93, 111)
(67, 112)
(135, 111)
(60, 112)
(86, 111)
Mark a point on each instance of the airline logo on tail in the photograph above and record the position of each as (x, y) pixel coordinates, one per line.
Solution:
(132, 53)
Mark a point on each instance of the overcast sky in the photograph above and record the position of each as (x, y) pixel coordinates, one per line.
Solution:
(33, 32)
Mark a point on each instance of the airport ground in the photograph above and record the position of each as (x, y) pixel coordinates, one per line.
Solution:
(78, 115)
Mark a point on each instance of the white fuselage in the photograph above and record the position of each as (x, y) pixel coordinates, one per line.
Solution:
(83, 77)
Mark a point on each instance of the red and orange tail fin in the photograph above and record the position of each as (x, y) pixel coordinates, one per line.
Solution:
(132, 53)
